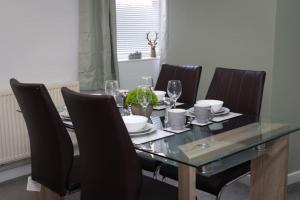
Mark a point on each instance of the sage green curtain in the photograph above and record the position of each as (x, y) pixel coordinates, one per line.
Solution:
(97, 43)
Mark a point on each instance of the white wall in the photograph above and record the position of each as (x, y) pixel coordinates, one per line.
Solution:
(231, 33)
(38, 40)
(131, 71)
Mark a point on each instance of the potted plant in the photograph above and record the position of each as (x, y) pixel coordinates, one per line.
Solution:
(136, 108)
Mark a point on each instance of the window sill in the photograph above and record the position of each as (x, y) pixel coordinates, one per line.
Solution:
(138, 60)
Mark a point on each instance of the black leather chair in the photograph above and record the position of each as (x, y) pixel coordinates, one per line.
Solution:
(189, 75)
(109, 164)
(241, 91)
(52, 162)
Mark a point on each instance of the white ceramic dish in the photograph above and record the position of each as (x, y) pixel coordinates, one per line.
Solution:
(149, 128)
(216, 105)
(145, 129)
(135, 123)
(222, 111)
(160, 95)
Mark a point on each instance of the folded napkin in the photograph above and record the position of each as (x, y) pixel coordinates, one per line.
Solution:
(176, 131)
(158, 134)
(225, 117)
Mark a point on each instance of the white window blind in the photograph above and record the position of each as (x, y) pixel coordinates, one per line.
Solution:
(134, 19)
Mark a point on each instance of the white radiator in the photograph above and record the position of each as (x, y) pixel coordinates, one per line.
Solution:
(14, 142)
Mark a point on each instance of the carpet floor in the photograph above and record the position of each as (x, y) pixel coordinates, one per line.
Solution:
(16, 190)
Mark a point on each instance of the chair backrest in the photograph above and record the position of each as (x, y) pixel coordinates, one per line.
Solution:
(108, 161)
(189, 75)
(50, 144)
(241, 90)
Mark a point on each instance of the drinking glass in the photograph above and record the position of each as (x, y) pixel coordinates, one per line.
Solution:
(148, 81)
(144, 97)
(112, 88)
(120, 99)
(168, 103)
(174, 90)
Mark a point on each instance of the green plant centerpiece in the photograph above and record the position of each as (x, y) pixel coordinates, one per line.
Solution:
(136, 108)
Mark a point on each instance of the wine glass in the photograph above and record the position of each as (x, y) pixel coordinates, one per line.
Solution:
(144, 97)
(148, 81)
(111, 88)
(174, 90)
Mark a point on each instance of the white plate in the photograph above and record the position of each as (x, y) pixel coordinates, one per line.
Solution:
(223, 111)
(148, 129)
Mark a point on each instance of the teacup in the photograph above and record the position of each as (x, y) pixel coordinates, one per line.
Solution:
(202, 112)
(160, 95)
(176, 119)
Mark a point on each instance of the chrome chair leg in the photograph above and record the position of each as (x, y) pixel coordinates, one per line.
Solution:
(218, 197)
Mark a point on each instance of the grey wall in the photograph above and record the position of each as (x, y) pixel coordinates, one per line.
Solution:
(286, 82)
(231, 33)
(256, 34)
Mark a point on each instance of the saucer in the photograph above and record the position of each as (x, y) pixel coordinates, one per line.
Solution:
(222, 111)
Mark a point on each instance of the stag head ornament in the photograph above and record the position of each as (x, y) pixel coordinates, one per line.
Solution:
(152, 44)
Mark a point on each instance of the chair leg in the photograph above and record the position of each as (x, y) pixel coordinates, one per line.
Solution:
(218, 197)
(47, 194)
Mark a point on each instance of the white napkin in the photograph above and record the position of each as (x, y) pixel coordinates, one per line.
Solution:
(176, 131)
(194, 122)
(225, 117)
(158, 134)
(161, 107)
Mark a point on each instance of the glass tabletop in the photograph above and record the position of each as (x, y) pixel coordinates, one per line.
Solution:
(217, 146)
(232, 141)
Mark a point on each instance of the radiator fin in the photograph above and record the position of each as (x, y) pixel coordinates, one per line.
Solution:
(14, 142)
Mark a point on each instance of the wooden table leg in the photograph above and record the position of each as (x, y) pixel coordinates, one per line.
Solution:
(269, 172)
(46, 194)
(186, 182)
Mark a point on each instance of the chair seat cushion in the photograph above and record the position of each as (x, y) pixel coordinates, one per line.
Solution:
(156, 190)
(74, 178)
(211, 184)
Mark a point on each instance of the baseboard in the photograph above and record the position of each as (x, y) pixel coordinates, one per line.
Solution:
(293, 177)
(14, 170)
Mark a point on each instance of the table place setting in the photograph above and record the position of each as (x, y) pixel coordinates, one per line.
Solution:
(206, 112)
(176, 121)
(163, 101)
(141, 130)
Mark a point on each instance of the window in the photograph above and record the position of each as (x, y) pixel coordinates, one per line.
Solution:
(134, 19)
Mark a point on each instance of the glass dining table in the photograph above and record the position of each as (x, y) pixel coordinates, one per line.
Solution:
(213, 148)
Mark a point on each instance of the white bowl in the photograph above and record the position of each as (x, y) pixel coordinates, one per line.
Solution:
(135, 123)
(160, 95)
(216, 105)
